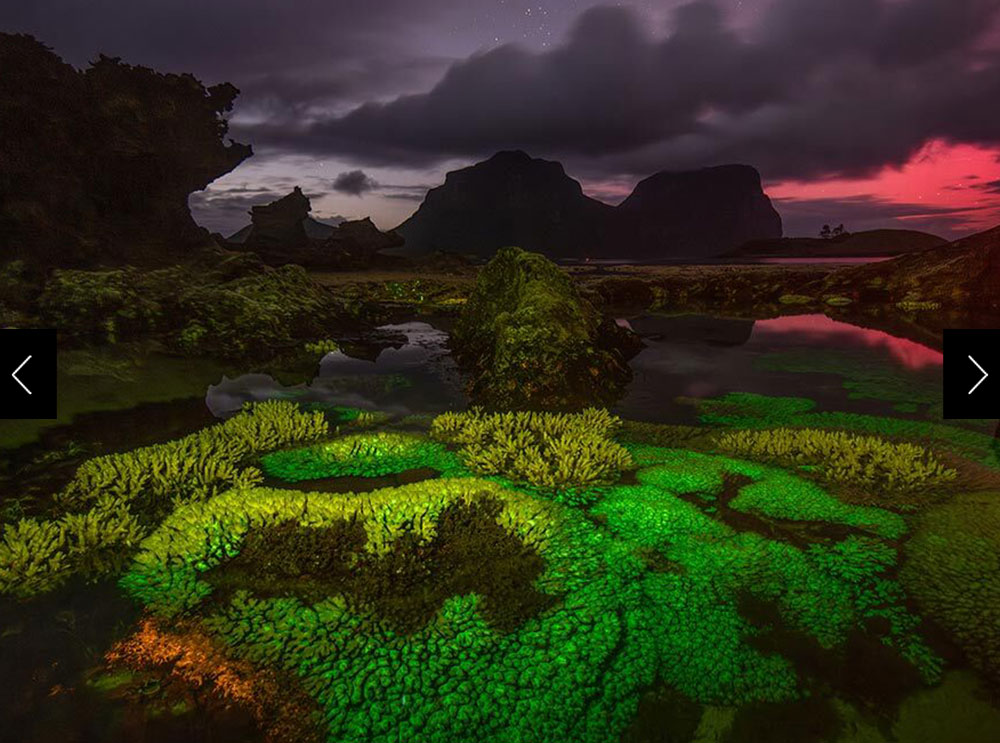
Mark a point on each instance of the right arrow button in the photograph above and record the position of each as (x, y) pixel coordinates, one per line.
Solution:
(982, 371)
(970, 384)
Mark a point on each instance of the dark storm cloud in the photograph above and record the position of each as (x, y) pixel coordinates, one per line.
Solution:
(989, 187)
(284, 56)
(224, 208)
(235, 200)
(816, 87)
(227, 210)
(414, 195)
(354, 183)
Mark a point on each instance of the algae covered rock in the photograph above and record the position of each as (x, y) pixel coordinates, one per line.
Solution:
(193, 310)
(529, 340)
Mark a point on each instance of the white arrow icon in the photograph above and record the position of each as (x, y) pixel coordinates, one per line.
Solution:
(14, 374)
(985, 374)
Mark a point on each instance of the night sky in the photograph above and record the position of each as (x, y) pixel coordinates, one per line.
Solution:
(867, 112)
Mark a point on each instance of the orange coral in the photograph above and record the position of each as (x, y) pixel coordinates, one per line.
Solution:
(193, 658)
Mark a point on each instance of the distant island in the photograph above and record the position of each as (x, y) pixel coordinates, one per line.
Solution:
(867, 244)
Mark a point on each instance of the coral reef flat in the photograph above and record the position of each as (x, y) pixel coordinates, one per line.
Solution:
(766, 528)
(564, 576)
(659, 455)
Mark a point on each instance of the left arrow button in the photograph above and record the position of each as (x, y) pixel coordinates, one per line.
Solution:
(29, 376)
(14, 374)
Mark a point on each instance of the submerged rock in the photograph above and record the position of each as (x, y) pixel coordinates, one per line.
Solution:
(529, 340)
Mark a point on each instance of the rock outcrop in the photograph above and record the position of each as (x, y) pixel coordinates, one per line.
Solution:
(962, 277)
(278, 226)
(513, 199)
(528, 340)
(358, 243)
(97, 165)
(282, 232)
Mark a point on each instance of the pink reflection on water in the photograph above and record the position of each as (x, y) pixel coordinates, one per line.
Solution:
(909, 353)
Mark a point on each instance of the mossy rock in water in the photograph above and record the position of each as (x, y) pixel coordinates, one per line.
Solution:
(529, 340)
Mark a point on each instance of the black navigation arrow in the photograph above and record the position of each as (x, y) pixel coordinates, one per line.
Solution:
(14, 374)
(27, 374)
(970, 386)
(981, 379)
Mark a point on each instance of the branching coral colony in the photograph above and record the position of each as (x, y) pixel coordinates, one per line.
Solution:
(488, 604)
(113, 501)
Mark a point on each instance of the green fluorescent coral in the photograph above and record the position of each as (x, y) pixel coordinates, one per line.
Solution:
(866, 461)
(362, 455)
(771, 491)
(644, 588)
(199, 465)
(953, 570)
(198, 536)
(626, 585)
(546, 450)
(747, 410)
(113, 500)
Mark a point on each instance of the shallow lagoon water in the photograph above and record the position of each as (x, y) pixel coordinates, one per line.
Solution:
(839, 365)
(419, 376)
(795, 356)
(48, 651)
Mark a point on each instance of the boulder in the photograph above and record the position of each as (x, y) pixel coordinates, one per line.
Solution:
(356, 244)
(527, 339)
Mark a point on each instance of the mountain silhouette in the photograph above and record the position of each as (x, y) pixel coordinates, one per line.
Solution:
(514, 199)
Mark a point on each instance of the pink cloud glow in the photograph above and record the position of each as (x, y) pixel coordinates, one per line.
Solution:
(941, 176)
